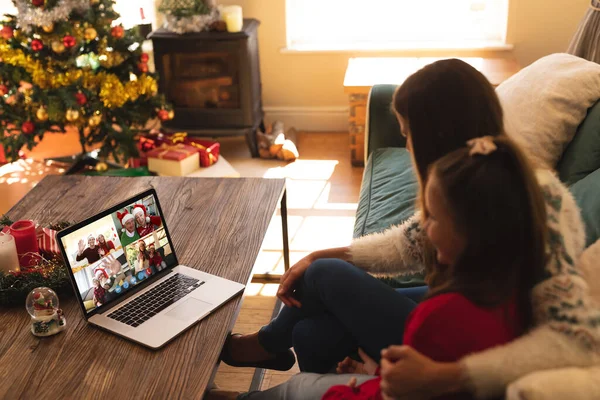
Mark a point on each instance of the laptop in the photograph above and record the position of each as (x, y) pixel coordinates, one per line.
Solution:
(127, 278)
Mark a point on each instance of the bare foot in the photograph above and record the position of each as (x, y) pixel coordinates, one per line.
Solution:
(246, 348)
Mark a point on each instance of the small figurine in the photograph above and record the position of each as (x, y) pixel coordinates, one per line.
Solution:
(46, 318)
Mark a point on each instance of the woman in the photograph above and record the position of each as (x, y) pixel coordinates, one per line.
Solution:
(440, 108)
(104, 246)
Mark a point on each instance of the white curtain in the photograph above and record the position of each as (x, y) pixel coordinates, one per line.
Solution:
(586, 41)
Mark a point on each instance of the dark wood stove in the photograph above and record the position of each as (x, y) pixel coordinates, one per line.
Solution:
(213, 81)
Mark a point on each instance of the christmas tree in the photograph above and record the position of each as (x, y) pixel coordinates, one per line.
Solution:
(66, 63)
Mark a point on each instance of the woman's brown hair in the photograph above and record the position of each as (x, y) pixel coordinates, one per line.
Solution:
(497, 205)
(445, 104)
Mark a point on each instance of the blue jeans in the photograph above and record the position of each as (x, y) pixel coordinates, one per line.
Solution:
(343, 308)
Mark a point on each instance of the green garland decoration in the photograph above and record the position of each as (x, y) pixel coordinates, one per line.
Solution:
(50, 272)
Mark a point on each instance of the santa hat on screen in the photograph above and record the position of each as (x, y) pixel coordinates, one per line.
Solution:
(124, 217)
(141, 209)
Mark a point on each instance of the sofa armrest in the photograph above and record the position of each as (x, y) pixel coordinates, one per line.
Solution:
(382, 128)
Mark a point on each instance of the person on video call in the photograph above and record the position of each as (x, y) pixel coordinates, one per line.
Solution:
(145, 222)
(104, 246)
(129, 235)
(91, 252)
(155, 259)
(142, 261)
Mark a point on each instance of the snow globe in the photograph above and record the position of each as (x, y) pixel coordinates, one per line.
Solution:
(46, 318)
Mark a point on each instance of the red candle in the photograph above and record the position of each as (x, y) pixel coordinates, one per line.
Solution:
(26, 240)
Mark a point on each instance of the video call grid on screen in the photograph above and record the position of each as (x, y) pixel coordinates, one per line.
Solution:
(118, 251)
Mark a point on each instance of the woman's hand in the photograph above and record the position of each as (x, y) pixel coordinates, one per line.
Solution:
(289, 279)
(351, 366)
(407, 374)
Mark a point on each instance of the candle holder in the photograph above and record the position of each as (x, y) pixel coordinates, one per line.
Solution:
(47, 318)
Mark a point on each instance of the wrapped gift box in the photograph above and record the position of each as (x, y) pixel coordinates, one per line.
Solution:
(208, 150)
(174, 160)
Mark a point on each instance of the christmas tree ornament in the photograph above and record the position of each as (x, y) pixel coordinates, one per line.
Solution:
(72, 115)
(37, 45)
(101, 167)
(171, 114)
(57, 47)
(3, 90)
(117, 32)
(48, 28)
(28, 127)
(69, 41)
(90, 34)
(80, 98)
(6, 32)
(143, 67)
(94, 2)
(38, 3)
(163, 115)
(144, 57)
(46, 317)
(95, 120)
(41, 114)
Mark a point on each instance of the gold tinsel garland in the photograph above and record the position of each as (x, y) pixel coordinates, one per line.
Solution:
(113, 93)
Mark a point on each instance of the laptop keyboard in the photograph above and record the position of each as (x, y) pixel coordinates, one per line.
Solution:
(144, 307)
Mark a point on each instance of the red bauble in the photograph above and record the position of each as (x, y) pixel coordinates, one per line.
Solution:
(80, 98)
(117, 32)
(143, 67)
(7, 33)
(69, 41)
(163, 115)
(38, 3)
(37, 45)
(3, 90)
(144, 57)
(28, 127)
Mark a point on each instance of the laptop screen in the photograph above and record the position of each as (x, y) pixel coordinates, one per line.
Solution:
(118, 250)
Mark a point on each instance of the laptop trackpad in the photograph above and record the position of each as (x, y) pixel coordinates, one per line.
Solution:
(189, 309)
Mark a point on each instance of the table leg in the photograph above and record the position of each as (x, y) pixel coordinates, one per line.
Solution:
(284, 229)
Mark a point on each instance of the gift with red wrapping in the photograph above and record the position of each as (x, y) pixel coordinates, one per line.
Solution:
(174, 159)
(208, 150)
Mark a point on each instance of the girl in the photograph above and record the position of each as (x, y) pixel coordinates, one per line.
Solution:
(104, 246)
(333, 306)
(479, 293)
(155, 259)
(99, 293)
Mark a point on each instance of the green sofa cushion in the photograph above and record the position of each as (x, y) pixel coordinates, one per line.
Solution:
(381, 118)
(582, 155)
(587, 195)
(388, 191)
(387, 197)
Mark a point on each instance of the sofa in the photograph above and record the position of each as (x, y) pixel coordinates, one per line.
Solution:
(388, 196)
(389, 186)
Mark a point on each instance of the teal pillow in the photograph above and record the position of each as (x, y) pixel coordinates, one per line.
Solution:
(582, 155)
(587, 195)
(388, 192)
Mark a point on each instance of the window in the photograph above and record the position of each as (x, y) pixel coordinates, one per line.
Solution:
(395, 24)
(7, 7)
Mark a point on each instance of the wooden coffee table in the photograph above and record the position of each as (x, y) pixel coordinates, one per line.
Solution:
(217, 225)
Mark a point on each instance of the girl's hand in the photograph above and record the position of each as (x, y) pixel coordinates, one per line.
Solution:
(351, 366)
(112, 264)
(288, 280)
(407, 374)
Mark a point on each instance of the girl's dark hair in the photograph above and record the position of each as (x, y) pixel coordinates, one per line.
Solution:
(445, 104)
(497, 204)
